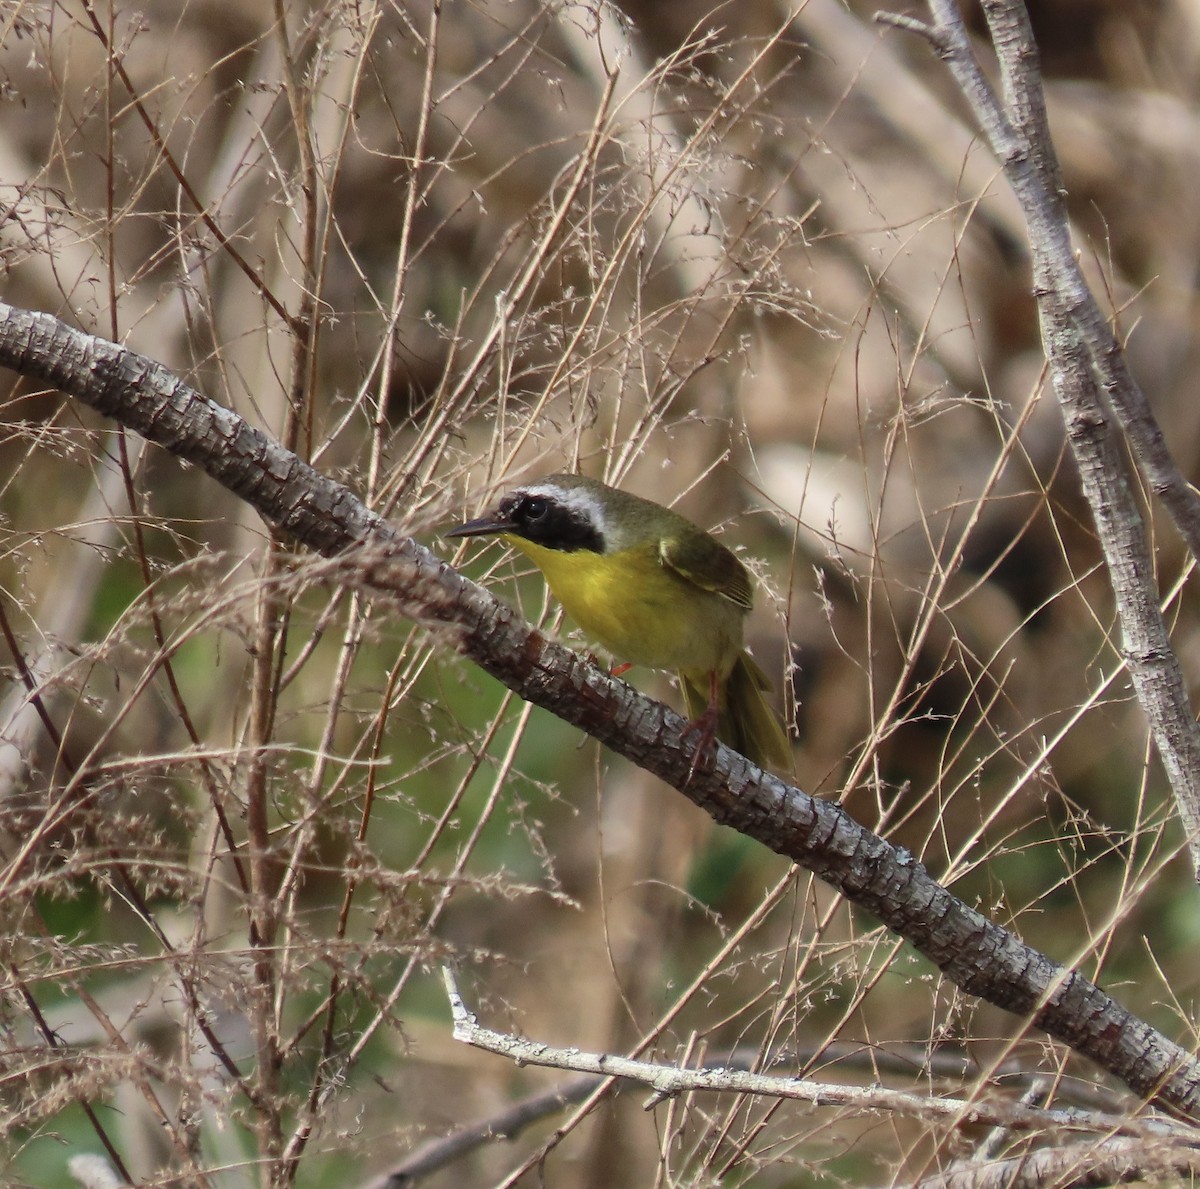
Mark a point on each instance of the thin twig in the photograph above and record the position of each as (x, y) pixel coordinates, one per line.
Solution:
(163, 150)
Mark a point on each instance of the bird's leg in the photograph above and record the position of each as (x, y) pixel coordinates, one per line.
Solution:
(705, 726)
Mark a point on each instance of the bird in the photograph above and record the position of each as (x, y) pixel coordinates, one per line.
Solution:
(652, 589)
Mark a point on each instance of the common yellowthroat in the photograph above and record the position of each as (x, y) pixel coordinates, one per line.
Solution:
(652, 589)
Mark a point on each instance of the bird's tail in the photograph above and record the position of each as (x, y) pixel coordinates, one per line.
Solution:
(746, 721)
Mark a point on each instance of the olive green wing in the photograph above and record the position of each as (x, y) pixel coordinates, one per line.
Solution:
(706, 563)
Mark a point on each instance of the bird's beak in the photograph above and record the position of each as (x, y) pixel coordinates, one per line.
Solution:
(485, 526)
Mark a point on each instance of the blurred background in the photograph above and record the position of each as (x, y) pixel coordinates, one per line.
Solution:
(748, 260)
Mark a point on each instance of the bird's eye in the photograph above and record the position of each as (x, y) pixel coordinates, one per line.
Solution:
(534, 509)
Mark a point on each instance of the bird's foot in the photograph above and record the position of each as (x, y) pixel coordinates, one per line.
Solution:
(705, 729)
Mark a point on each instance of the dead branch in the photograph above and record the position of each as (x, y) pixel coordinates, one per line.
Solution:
(1097, 394)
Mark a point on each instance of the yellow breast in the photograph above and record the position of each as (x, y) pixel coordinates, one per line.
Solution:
(639, 610)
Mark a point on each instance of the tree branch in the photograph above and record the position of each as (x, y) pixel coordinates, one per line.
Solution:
(437, 1153)
(666, 1081)
(1094, 1163)
(1091, 381)
(973, 952)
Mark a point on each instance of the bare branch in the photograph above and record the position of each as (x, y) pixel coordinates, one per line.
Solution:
(1087, 1165)
(1090, 379)
(979, 956)
(504, 1125)
(667, 1081)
